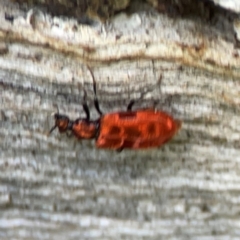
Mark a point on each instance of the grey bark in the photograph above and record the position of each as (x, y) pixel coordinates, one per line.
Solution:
(55, 187)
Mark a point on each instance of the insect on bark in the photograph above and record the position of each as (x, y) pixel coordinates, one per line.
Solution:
(138, 129)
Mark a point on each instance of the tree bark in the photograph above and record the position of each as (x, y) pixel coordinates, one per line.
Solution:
(56, 187)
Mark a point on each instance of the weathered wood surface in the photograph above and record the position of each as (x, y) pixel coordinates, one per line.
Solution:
(55, 187)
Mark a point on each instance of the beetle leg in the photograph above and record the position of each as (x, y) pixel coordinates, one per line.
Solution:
(96, 103)
(132, 102)
(155, 102)
(69, 134)
(119, 150)
(130, 105)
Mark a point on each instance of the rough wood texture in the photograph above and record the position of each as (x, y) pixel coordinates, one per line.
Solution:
(54, 187)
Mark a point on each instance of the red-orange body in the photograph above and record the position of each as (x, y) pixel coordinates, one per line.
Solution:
(80, 128)
(140, 129)
(136, 129)
(83, 129)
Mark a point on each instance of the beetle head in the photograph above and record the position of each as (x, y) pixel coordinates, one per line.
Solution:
(62, 122)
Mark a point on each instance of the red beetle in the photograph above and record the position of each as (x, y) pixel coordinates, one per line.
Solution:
(143, 128)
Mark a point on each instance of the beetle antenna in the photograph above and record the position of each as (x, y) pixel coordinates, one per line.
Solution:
(85, 106)
(96, 103)
(84, 101)
(94, 81)
(56, 106)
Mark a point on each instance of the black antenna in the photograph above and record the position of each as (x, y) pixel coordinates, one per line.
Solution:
(96, 103)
